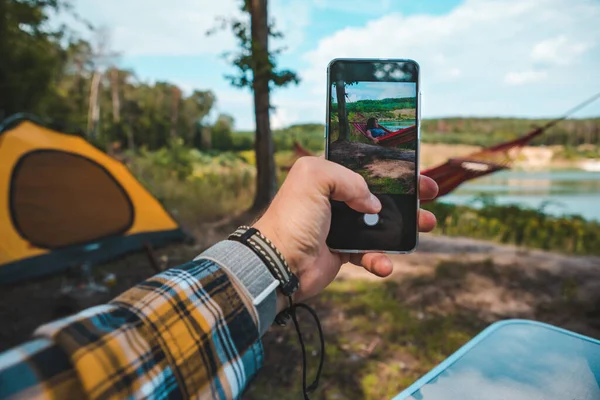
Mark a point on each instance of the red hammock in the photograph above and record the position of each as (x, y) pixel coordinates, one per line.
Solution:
(391, 138)
(458, 170)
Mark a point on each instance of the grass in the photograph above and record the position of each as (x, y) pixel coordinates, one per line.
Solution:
(201, 187)
(385, 185)
(513, 224)
(376, 344)
(211, 191)
(381, 336)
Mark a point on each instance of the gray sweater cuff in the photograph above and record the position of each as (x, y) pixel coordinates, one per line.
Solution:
(245, 266)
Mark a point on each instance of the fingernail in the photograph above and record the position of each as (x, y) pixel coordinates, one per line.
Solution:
(375, 201)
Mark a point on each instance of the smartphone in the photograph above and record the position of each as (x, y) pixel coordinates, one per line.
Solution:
(373, 128)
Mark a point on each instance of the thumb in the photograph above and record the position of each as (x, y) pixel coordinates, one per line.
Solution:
(341, 184)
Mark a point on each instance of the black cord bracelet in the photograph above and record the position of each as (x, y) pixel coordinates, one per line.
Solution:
(268, 253)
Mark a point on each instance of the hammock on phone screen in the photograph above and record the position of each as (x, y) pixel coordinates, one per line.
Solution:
(391, 138)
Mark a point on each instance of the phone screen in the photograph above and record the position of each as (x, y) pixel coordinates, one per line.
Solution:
(373, 129)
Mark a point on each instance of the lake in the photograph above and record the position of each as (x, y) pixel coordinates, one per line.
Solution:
(395, 125)
(568, 192)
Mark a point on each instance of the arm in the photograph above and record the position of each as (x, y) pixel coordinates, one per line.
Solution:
(190, 331)
(194, 330)
(370, 136)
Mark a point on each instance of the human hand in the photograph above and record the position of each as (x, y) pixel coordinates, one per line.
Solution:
(298, 220)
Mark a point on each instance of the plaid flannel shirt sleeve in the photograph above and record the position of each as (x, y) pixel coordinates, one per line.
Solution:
(189, 332)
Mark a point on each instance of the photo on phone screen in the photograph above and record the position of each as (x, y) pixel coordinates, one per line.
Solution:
(372, 129)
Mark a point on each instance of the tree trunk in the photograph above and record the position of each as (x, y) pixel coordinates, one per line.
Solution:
(130, 140)
(94, 109)
(205, 138)
(344, 127)
(264, 148)
(116, 102)
(4, 98)
(175, 111)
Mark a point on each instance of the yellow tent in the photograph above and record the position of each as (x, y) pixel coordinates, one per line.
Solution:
(64, 202)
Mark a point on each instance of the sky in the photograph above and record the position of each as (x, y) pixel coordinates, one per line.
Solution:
(380, 90)
(518, 58)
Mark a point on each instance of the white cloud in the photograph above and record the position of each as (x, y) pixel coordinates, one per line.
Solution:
(502, 367)
(473, 57)
(354, 6)
(291, 18)
(380, 90)
(454, 72)
(475, 60)
(471, 384)
(519, 78)
(558, 50)
(153, 27)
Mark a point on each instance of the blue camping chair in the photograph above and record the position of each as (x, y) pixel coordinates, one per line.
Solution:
(516, 360)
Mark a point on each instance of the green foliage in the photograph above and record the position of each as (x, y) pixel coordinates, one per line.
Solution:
(489, 131)
(390, 104)
(309, 136)
(222, 138)
(31, 54)
(575, 153)
(177, 159)
(193, 185)
(49, 72)
(519, 226)
(385, 185)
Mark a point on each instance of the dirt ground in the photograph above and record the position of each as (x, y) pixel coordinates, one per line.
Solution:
(391, 169)
(515, 283)
(349, 153)
(383, 334)
(386, 169)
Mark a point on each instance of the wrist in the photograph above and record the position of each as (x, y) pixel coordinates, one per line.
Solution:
(265, 244)
(268, 230)
(282, 301)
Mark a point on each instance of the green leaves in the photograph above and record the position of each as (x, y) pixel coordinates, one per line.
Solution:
(516, 225)
(250, 59)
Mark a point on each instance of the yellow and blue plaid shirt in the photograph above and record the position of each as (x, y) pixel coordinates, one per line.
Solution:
(189, 332)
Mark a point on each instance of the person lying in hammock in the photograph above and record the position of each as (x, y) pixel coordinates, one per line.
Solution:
(373, 130)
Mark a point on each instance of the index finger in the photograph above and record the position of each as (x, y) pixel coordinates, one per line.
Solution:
(428, 188)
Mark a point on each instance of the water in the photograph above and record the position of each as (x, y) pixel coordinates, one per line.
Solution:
(394, 126)
(568, 192)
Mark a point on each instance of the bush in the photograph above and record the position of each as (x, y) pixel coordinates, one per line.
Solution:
(196, 186)
(516, 225)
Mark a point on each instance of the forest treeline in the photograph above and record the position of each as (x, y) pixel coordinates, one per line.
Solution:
(60, 77)
(370, 106)
(489, 131)
(473, 131)
(57, 76)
